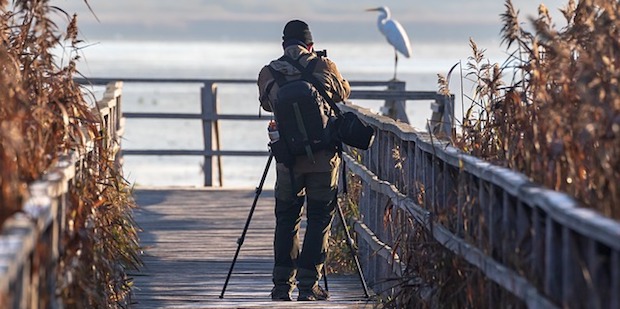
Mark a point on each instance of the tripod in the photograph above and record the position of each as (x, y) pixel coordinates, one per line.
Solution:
(350, 240)
(241, 239)
(258, 191)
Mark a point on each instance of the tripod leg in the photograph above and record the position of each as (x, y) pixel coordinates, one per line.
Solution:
(325, 278)
(259, 189)
(353, 251)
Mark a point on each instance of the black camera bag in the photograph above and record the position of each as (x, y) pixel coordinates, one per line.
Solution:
(353, 132)
(281, 153)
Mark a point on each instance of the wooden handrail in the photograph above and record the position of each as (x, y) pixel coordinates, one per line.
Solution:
(392, 92)
(30, 243)
(107, 80)
(181, 152)
(535, 243)
(538, 244)
(193, 116)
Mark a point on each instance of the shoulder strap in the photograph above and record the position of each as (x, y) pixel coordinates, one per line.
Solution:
(307, 75)
(267, 90)
(277, 76)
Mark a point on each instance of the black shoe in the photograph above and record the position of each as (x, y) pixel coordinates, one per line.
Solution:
(281, 294)
(316, 293)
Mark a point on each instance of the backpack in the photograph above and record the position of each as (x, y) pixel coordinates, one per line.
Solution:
(304, 119)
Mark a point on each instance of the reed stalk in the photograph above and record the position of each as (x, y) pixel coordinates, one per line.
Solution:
(550, 111)
(43, 116)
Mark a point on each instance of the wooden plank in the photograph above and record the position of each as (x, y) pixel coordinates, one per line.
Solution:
(495, 271)
(381, 249)
(208, 95)
(563, 209)
(192, 152)
(194, 116)
(189, 238)
(505, 277)
(553, 261)
(615, 280)
(103, 81)
(392, 95)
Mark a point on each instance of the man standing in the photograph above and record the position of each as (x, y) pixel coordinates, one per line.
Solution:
(312, 179)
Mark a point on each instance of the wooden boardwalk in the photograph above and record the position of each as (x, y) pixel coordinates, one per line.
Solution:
(190, 237)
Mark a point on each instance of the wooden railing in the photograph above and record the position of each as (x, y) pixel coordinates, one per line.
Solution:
(535, 243)
(538, 244)
(392, 92)
(30, 241)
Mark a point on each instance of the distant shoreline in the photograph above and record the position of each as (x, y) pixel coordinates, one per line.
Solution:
(424, 32)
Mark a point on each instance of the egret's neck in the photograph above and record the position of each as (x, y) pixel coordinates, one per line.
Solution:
(383, 17)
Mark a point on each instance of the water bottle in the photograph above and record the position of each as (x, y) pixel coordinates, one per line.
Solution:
(272, 129)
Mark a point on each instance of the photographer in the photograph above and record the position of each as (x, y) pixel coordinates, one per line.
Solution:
(310, 179)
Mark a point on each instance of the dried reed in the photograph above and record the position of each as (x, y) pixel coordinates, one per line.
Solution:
(550, 111)
(339, 259)
(558, 120)
(43, 115)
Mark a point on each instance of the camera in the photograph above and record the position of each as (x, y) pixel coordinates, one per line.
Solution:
(321, 53)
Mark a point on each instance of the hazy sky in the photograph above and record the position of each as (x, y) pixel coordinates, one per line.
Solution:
(261, 19)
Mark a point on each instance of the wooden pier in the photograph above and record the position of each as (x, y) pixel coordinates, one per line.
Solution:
(534, 247)
(527, 245)
(189, 238)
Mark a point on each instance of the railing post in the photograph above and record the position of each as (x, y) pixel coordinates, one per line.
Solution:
(553, 262)
(119, 130)
(208, 94)
(448, 116)
(395, 109)
(442, 118)
(119, 106)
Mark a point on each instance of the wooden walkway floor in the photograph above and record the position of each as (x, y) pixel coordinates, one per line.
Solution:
(190, 237)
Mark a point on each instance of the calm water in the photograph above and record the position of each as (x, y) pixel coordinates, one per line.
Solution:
(234, 60)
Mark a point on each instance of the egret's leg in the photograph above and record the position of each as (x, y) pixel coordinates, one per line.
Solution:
(395, 62)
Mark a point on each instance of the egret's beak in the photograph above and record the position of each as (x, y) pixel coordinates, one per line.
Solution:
(372, 10)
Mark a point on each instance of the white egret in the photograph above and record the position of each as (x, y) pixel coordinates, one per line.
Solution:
(394, 33)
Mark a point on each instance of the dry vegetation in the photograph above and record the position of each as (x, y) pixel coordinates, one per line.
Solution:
(557, 117)
(550, 111)
(339, 258)
(43, 115)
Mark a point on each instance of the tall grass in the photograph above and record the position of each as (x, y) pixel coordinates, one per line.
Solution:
(552, 110)
(43, 115)
(339, 257)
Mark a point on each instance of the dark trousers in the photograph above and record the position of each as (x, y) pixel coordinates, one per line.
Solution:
(293, 260)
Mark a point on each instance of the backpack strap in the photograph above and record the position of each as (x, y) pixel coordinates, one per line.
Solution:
(306, 73)
(281, 80)
(267, 90)
(277, 76)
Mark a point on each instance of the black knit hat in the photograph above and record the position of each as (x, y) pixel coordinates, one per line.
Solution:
(297, 30)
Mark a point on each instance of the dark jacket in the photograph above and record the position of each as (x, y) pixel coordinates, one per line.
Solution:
(327, 73)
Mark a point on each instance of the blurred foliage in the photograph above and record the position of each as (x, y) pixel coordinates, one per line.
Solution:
(43, 116)
(552, 110)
